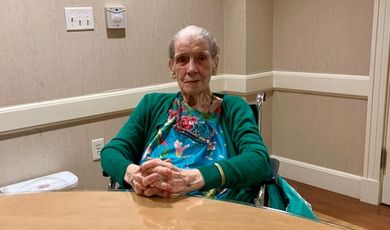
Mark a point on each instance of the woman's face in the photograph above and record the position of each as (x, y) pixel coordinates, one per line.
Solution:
(193, 66)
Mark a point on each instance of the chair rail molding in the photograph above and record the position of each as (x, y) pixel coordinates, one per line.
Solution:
(351, 85)
(42, 114)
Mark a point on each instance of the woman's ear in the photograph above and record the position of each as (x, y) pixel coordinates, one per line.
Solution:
(215, 65)
(170, 66)
(173, 75)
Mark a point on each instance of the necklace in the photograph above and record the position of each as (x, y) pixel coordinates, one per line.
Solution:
(193, 127)
(211, 103)
(201, 105)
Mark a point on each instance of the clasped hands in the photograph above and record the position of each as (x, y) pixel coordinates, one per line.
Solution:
(157, 177)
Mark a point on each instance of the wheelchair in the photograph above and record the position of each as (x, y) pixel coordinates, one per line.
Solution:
(274, 192)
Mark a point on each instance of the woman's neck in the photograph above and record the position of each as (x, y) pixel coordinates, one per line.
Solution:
(201, 102)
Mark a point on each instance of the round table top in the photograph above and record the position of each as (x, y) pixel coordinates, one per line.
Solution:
(126, 210)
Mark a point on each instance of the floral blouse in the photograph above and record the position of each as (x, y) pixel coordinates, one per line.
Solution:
(189, 138)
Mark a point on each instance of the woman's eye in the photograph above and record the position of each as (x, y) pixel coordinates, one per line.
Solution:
(182, 60)
(202, 58)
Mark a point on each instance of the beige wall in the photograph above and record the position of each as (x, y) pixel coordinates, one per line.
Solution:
(259, 36)
(234, 36)
(40, 61)
(248, 26)
(327, 36)
(320, 130)
(50, 151)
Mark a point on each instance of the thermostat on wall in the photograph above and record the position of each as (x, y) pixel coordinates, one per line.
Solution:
(115, 17)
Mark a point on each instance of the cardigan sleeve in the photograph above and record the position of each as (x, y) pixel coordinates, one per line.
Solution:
(249, 161)
(127, 146)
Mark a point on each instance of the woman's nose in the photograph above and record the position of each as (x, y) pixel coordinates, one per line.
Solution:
(191, 68)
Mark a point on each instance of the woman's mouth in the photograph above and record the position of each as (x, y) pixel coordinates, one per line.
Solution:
(192, 81)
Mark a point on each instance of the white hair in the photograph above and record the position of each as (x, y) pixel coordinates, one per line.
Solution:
(194, 31)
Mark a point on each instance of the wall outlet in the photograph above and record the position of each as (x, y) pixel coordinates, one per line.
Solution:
(97, 146)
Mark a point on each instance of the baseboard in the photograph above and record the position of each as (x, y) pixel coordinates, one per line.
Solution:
(370, 191)
(336, 181)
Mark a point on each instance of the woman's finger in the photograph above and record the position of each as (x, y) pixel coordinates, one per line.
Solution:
(160, 174)
(161, 170)
(156, 162)
(151, 191)
(136, 182)
(151, 179)
(138, 189)
(163, 193)
(162, 185)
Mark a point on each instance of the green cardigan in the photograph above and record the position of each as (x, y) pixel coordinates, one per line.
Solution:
(248, 162)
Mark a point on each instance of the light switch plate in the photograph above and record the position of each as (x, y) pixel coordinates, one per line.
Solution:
(79, 18)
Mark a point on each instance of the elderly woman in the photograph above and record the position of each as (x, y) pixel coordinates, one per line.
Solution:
(191, 142)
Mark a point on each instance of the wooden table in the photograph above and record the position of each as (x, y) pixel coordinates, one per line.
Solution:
(126, 210)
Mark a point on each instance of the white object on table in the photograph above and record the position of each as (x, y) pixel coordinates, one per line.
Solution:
(57, 181)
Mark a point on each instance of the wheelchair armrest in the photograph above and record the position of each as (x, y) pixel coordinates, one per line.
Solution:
(112, 185)
(274, 167)
(261, 199)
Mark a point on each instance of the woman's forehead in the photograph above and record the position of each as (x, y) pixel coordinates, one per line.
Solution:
(191, 44)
